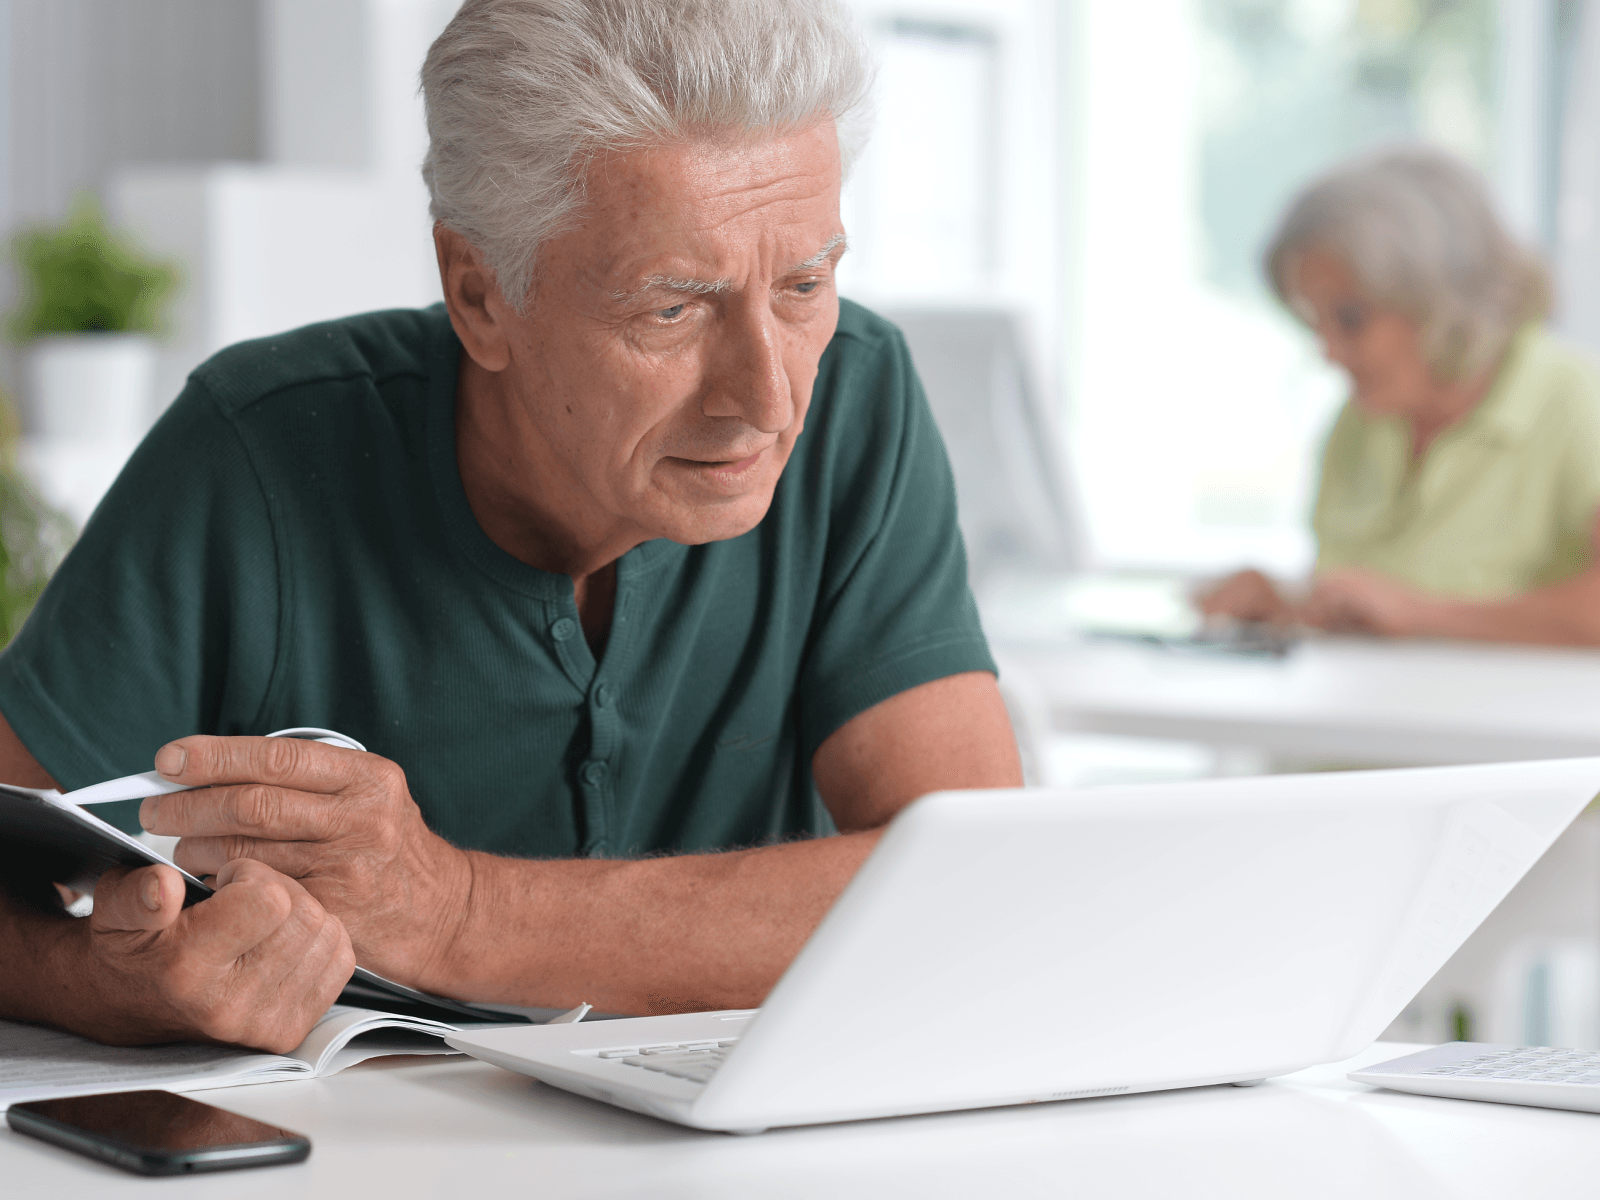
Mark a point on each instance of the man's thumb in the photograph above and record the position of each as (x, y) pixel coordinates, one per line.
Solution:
(147, 898)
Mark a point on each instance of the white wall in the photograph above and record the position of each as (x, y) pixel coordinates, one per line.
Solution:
(335, 220)
(87, 86)
(1022, 268)
(1577, 212)
(90, 85)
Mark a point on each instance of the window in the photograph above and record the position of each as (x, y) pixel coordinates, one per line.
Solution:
(1196, 403)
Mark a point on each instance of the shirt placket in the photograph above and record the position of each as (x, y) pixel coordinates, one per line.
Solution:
(595, 772)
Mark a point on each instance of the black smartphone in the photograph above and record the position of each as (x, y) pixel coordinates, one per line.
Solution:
(157, 1133)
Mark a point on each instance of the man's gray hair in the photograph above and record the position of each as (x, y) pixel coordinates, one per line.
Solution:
(1418, 230)
(522, 94)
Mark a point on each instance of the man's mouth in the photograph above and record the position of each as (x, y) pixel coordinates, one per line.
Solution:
(723, 476)
(725, 466)
(735, 466)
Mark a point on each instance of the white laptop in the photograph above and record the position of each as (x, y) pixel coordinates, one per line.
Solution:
(1006, 947)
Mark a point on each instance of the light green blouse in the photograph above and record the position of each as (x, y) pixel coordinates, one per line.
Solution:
(1501, 503)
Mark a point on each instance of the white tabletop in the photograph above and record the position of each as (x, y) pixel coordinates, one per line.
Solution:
(1341, 700)
(457, 1128)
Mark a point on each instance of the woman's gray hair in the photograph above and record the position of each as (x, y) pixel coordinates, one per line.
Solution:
(522, 94)
(1416, 227)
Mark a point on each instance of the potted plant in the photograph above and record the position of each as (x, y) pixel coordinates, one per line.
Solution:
(34, 537)
(90, 305)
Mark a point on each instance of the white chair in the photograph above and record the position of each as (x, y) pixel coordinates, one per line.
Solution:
(1017, 509)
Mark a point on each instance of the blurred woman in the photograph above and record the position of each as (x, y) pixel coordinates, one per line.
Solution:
(1461, 481)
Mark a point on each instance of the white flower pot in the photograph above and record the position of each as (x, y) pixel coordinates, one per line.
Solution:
(90, 386)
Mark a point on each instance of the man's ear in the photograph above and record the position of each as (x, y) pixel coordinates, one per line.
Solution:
(473, 299)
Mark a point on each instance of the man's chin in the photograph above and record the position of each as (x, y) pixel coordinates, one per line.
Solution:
(698, 524)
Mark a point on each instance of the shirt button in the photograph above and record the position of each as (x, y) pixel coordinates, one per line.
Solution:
(563, 629)
(602, 696)
(594, 773)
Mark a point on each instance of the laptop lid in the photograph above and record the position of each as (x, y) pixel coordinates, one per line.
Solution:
(1010, 945)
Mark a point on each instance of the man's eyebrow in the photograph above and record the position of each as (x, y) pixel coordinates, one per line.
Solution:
(835, 243)
(710, 287)
(672, 283)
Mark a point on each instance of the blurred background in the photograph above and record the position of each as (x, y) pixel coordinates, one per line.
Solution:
(1106, 172)
(1064, 204)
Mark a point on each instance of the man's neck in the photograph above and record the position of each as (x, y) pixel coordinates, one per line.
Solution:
(523, 498)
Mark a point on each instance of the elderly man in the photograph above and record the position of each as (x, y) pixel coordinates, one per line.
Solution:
(629, 553)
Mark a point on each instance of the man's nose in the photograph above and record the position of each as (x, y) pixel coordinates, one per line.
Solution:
(749, 381)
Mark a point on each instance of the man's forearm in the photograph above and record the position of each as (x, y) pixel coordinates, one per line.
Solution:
(692, 932)
(42, 965)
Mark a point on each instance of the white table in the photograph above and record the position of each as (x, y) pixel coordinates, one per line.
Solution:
(1333, 700)
(456, 1128)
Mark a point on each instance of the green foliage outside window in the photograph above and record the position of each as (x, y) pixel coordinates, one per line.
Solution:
(80, 277)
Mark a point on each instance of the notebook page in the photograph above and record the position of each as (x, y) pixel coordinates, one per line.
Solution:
(38, 1063)
(345, 1036)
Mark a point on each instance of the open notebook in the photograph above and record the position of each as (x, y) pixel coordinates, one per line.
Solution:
(49, 837)
(37, 1063)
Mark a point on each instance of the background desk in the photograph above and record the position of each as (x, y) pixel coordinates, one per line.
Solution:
(458, 1128)
(1528, 974)
(1333, 700)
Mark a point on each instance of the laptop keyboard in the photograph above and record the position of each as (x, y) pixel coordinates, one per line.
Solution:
(1537, 1063)
(694, 1061)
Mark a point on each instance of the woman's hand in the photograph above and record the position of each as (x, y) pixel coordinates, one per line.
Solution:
(1247, 596)
(1352, 600)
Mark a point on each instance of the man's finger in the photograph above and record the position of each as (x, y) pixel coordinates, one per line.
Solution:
(209, 855)
(251, 810)
(149, 898)
(251, 902)
(296, 955)
(308, 766)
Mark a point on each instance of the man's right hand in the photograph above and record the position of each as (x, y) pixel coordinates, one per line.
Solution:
(253, 965)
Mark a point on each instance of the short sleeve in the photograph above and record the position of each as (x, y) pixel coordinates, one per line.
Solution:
(1578, 494)
(1335, 466)
(162, 620)
(894, 610)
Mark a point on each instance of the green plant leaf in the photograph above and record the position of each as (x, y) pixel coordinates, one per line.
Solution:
(80, 277)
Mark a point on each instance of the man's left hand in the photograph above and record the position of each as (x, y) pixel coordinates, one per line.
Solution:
(1352, 600)
(340, 821)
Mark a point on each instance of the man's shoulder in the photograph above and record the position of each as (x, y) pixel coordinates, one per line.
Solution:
(863, 332)
(372, 346)
(866, 358)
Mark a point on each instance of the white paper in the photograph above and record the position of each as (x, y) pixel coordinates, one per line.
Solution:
(38, 1063)
(328, 1047)
(129, 787)
(153, 783)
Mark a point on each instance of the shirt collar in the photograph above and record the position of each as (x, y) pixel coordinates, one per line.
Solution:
(1509, 409)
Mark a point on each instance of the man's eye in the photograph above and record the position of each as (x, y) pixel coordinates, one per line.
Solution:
(670, 314)
(809, 286)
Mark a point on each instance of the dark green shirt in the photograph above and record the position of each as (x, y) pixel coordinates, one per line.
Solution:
(291, 545)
